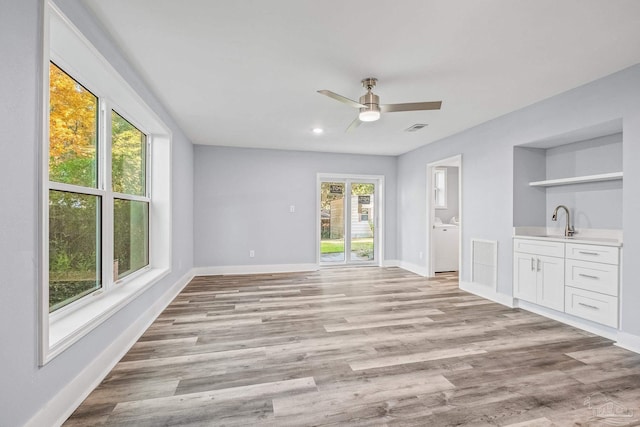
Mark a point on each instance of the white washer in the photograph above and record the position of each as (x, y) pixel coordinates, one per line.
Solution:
(446, 247)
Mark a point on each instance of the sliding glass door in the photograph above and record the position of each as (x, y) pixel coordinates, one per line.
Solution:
(348, 217)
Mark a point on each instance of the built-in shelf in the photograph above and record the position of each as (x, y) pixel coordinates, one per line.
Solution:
(578, 179)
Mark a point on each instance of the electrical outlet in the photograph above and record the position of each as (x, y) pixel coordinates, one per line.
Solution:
(292, 208)
(420, 254)
(252, 253)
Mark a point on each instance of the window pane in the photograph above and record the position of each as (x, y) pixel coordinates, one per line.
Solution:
(73, 123)
(131, 236)
(332, 222)
(128, 155)
(74, 242)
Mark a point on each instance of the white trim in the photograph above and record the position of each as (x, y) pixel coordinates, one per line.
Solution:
(43, 197)
(391, 263)
(487, 293)
(420, 270)
(61, 406)
(628, 341)
(253, 269)
(67, 328)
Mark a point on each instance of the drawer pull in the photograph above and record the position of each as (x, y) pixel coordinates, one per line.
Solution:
(589, 306)
(588, 253)
(588, 276)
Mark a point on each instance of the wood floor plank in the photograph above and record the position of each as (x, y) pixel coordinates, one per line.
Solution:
(357, 346)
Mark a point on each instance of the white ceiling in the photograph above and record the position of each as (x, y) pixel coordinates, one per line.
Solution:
(245, 72)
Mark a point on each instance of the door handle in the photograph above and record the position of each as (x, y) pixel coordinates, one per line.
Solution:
(538, 264)
(593, 307)
(532, 264)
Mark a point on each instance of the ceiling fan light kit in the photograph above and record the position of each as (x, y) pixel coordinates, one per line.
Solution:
(370, 107)
(369, 115)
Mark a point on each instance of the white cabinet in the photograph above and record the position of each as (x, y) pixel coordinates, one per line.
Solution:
(538, 277)
(591, 283)
(577, 278)
(592, 306)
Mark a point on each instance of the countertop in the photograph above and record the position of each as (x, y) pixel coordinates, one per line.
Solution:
(587, 240)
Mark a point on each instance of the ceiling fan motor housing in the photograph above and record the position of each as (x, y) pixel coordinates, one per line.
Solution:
(371, 100)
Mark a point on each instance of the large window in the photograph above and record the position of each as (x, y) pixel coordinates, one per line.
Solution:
(104, 239)
(91, 205)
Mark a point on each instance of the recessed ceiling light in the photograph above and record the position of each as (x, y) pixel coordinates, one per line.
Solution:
(317, 131)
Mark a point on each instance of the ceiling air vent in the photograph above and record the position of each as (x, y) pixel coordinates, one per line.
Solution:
(416, 127)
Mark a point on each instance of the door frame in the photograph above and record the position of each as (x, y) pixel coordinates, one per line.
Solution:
(378, 232)
(454, 161)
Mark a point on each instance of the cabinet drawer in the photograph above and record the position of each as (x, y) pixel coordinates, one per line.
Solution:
(539, 247)
(592, 276)
(592, 306)
(605, 254)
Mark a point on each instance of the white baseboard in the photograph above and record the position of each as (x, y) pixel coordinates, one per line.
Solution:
(628, 341)
(254, 269)
(391, 263)
(487, 292)
(61, 406)
(420, 270)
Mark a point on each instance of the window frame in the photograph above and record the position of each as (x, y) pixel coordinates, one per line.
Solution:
(440, 190)
(67, 47)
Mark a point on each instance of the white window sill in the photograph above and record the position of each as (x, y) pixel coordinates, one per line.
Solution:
(67, 328)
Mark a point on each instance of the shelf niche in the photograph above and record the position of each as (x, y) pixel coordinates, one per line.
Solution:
(581, 169)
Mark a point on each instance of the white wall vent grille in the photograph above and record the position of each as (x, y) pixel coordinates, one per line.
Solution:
(484, 262)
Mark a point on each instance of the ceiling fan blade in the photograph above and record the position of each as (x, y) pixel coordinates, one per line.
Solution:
(349, 102)
(354, 124)
(411, 106)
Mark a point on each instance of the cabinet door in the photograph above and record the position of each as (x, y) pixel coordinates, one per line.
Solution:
(524, 277)
(550, 282)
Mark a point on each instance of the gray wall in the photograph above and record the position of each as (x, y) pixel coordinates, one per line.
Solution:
(452, 196)
(487, 174)
(24, 387)
(529, 203)
(242, 199)
(593, 205)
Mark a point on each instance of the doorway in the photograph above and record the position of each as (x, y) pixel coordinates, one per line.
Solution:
(444, 215)
(349, 212)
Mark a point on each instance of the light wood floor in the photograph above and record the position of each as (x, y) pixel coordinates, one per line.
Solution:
(360, 346)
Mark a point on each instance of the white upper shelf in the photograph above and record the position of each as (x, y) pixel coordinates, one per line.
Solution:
(578, 179)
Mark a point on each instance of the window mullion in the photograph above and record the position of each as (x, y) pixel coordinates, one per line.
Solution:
(107, 203)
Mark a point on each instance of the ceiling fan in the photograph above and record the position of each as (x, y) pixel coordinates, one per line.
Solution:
(370, 107)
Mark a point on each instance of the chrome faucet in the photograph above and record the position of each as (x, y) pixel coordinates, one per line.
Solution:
(568, 229)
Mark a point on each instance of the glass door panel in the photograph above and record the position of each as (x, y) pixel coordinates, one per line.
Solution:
(362, 221)
(332, 222)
